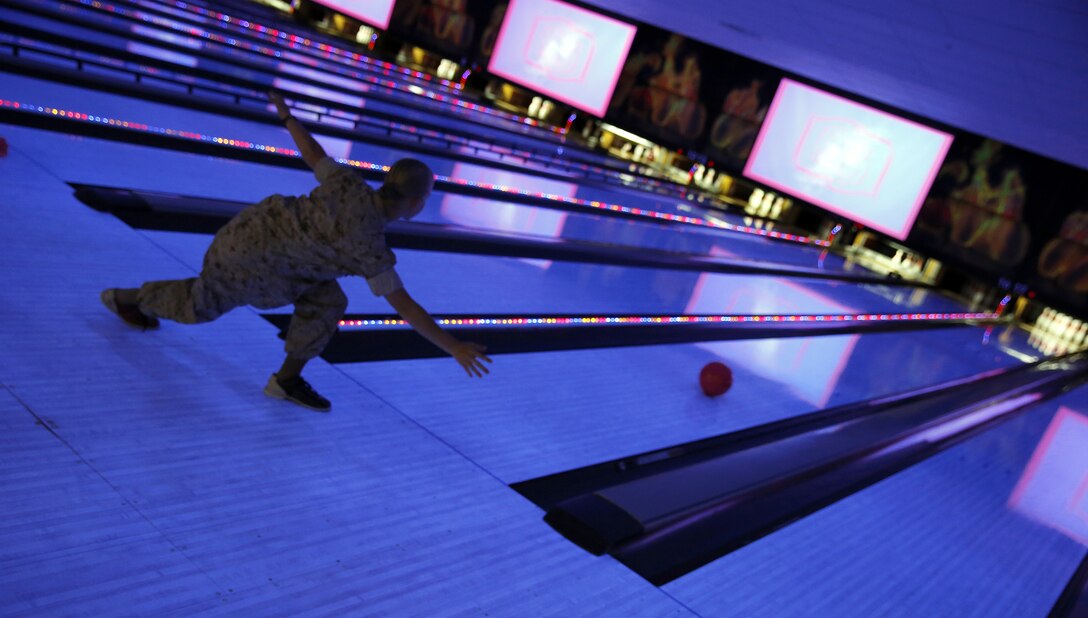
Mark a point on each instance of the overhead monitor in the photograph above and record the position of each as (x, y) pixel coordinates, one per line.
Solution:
(856, 161)
(373, 12)
(562, 51)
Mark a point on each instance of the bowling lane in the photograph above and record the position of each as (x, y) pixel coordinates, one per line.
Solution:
(640, 386)
(994, 526)
(284, 75)
(484, 284)
(184, 50)
(95, 161)
(450, 283)
(310, 48)
(537, 221)
(549, 155)
(211, 126)
(543, 413)
(42, 92)
(461, 210)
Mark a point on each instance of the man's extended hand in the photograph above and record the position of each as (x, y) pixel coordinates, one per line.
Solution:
(281, 106)
(311, 151)
(469, 355)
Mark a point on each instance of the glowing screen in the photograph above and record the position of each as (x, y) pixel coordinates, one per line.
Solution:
(565, 52)
(864, 164)
(373, 12)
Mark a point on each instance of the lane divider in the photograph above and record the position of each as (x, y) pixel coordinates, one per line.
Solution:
(382, 322)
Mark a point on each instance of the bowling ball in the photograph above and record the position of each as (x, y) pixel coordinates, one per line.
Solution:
(715, 379)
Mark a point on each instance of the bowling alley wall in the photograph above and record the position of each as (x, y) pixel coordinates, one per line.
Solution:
(1008, 217)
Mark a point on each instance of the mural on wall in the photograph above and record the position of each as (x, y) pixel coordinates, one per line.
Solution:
(1000, 211)
(491, 32)
(1063, 260)
(685, 94)
(453, 27)
(660, 86)
(977, 204)
(746, 92)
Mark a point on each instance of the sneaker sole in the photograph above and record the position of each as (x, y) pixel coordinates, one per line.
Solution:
(109, 299)
(274, 391)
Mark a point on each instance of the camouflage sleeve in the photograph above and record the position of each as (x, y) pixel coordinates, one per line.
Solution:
(327, 168)
(385, 282)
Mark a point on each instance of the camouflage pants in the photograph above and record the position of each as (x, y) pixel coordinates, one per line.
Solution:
(191, 301)
(235, 275)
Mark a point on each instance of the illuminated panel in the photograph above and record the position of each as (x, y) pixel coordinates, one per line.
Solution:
(1053, 489)
(72, 115)
(373, 12)
(858, 162)
(815, 363)
(562, 51)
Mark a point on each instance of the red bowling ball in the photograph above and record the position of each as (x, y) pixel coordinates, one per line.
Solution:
(715, 379)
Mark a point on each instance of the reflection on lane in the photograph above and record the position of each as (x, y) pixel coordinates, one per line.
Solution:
(465, 211)
(1053, 489)
(695, 239)
(814, 365)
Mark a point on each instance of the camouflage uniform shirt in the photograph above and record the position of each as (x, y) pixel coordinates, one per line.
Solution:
(283, 245)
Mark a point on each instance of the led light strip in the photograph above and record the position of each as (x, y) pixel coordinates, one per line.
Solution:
(57, 112)
(46, 110)
(676, 319)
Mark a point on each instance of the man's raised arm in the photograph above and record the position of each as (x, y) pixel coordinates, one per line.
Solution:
(312, 152)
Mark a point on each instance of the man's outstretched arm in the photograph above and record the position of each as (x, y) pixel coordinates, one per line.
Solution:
(312, 152)
(468, 355)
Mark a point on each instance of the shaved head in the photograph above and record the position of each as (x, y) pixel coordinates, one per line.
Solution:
(408, 179)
